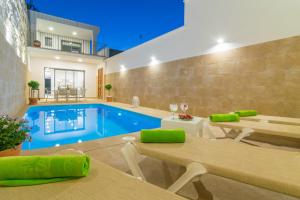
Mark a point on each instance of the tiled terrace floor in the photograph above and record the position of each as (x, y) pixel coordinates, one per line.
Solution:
(160, 173)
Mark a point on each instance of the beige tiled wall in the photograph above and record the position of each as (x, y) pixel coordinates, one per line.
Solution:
(265, 77)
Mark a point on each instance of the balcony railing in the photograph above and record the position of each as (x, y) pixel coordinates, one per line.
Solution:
(63, 43)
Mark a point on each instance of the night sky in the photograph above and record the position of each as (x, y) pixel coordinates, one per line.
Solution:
(123, 23)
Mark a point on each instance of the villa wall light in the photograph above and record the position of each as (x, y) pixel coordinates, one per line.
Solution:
(220, 41)
(221, 46)
(123, 68)
(154, 61)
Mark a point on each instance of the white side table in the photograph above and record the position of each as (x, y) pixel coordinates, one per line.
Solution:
(193, 127)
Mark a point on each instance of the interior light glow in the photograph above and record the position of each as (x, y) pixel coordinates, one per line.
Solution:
(154, 61)
(220, 41)
(123, 68)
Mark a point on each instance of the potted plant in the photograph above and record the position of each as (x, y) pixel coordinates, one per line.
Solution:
(13, 132)
(108, 87)
(33, 92)
(37, 43)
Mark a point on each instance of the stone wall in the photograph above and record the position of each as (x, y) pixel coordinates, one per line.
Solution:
(265, 77)
(13, 41)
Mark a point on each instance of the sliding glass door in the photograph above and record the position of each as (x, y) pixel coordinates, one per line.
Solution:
(63, 78)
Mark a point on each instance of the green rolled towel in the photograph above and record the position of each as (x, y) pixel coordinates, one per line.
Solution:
(246, 113)
(163, 136)
(34, 170)
(224, 118)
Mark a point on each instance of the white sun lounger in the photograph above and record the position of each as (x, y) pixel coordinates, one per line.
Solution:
(271, 169)
(246, 128)
(274, 119)
(103, 183)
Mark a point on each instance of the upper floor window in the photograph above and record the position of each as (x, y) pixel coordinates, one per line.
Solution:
(48, 41)
(74, 47)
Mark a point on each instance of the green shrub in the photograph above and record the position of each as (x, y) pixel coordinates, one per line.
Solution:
(13, 132)
(34, 85)
(108, 86)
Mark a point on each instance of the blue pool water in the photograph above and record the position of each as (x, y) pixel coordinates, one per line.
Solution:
(67, 124)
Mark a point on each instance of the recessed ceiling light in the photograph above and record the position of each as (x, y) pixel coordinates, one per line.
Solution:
(79, 60)
(57, 57)
(50, 28)
(74, 33)
(220, 41)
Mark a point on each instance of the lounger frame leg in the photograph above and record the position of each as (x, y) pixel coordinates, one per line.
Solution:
(130, 154)
(224, 131)
(193, 170)
(203, 193)
(245, 133)
(209, 131)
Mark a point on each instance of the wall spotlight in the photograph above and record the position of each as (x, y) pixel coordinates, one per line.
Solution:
(154, 61)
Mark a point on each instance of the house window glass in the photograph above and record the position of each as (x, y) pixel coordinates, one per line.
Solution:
(48, 41)
(63, 78)
(69, 46)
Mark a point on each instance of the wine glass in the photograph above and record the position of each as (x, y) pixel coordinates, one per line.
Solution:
(173, 108)
(184, 107)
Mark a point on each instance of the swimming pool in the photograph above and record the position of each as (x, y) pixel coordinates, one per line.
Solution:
(68, 124)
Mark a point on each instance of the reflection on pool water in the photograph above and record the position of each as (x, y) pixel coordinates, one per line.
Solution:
(53, 126)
